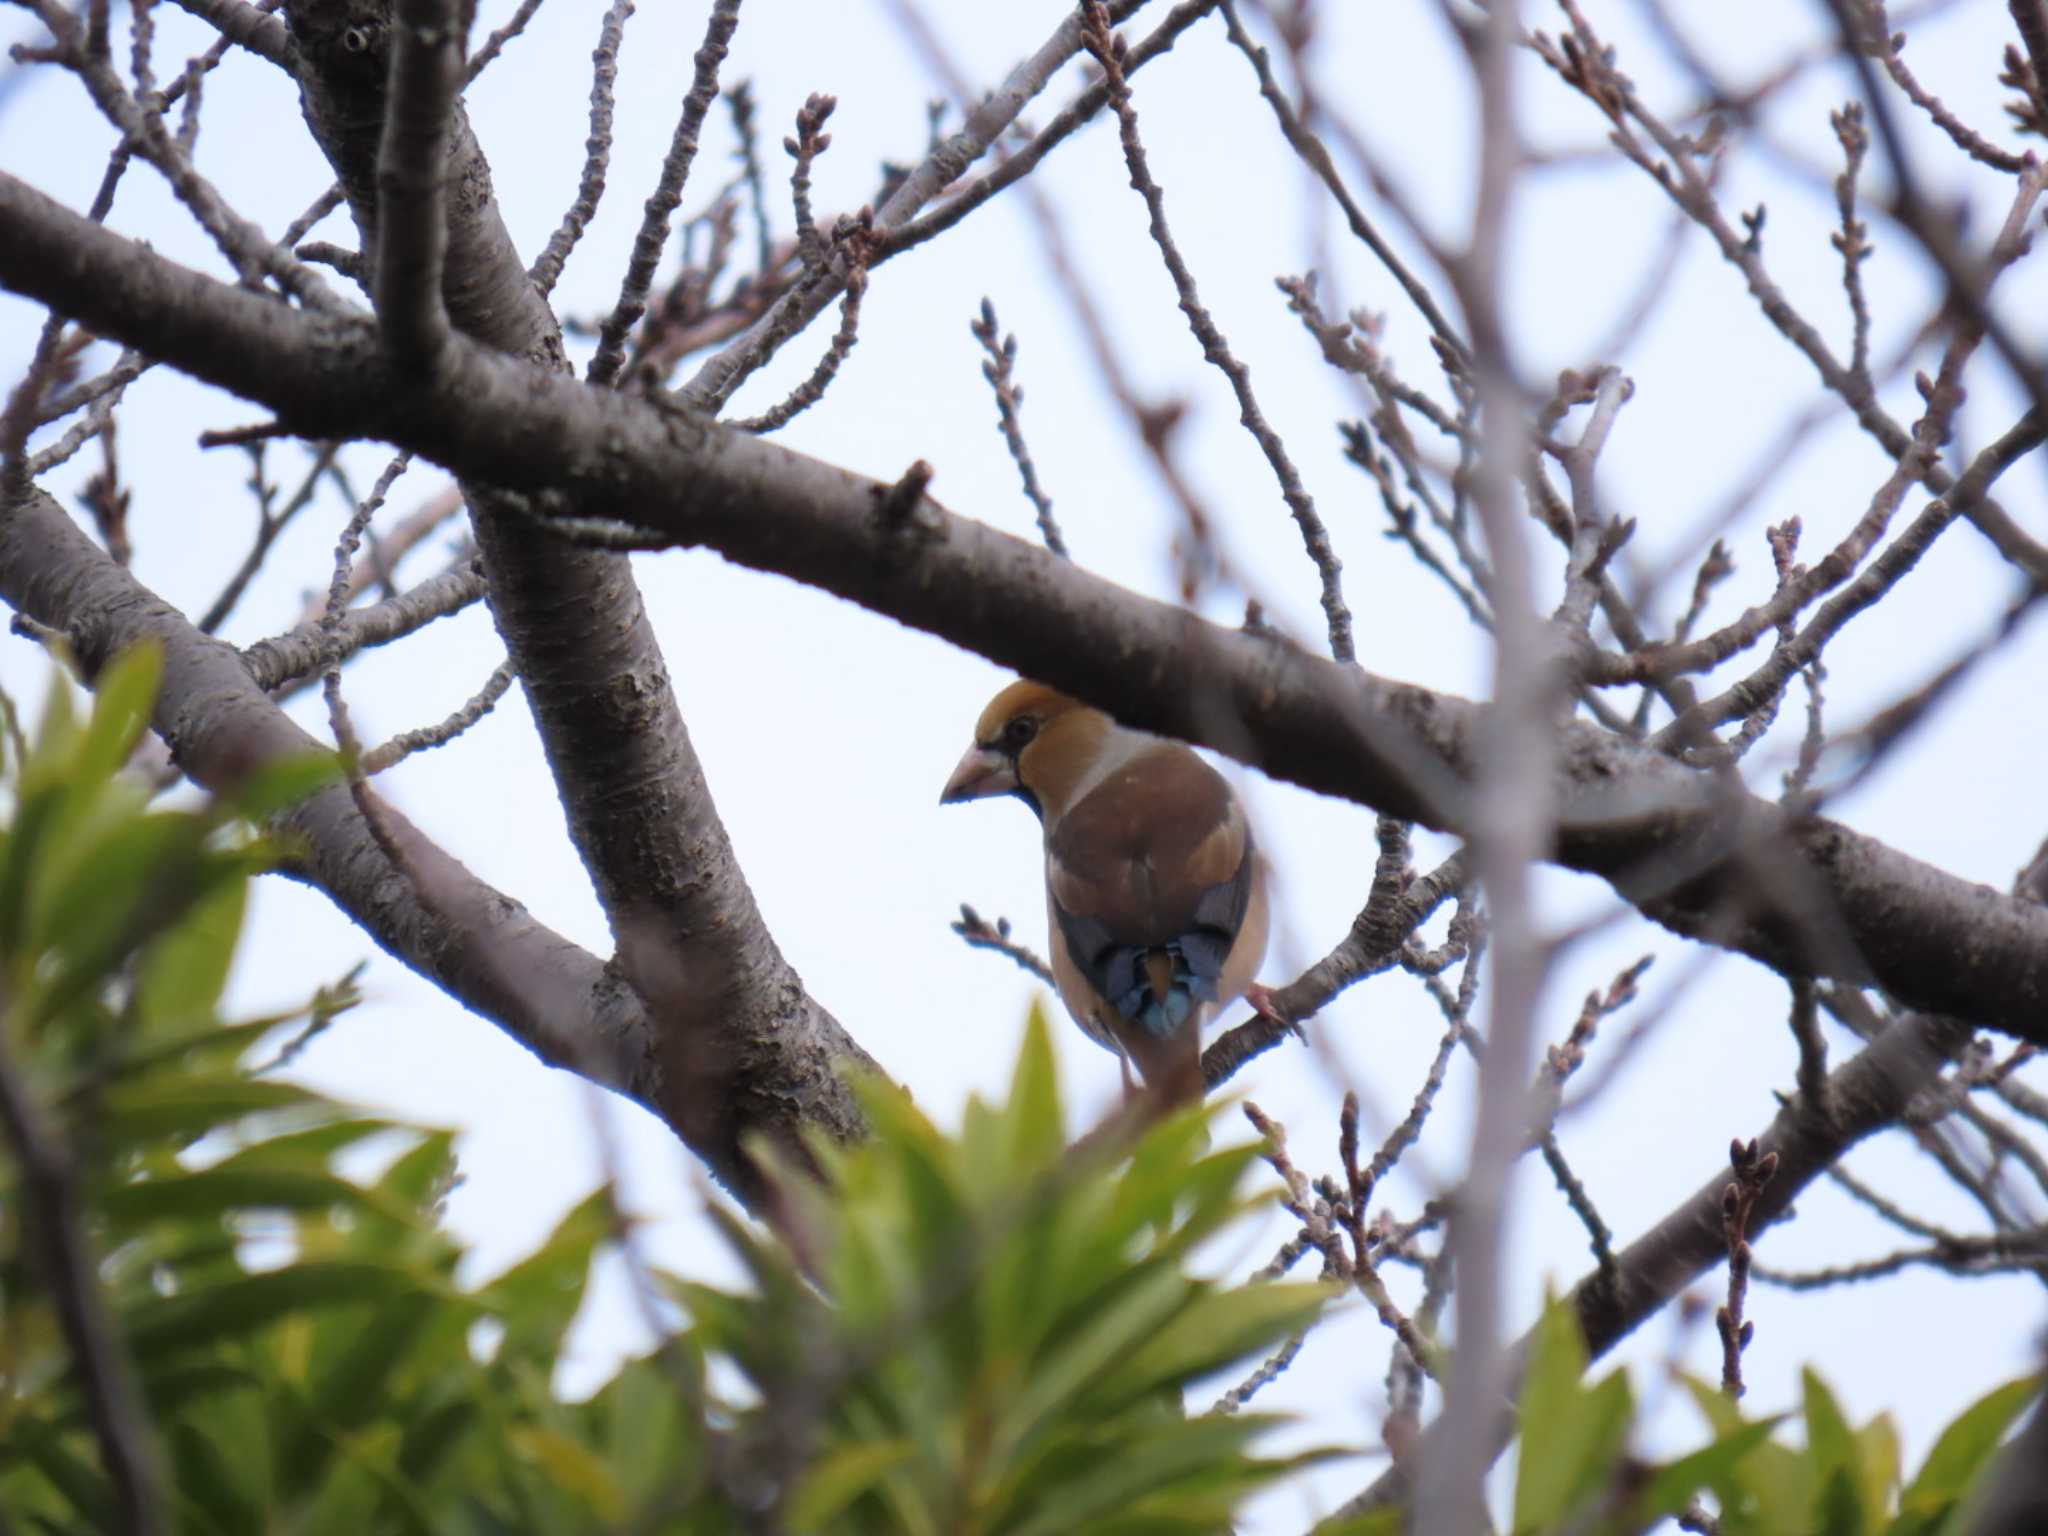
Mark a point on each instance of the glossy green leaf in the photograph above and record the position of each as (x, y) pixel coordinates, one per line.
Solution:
(165, 1324)
(186, 969)
(537, 1299)
(123, 696)
(841, 1476)
(1965, 1446)
(165, 1105)
(281, 784)
(214, 1484)
(228, 1189)
(1215, 1327)
(1672, 1486)
(1037, 1126)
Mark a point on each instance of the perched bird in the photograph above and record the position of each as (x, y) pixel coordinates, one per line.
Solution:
(1155, 892)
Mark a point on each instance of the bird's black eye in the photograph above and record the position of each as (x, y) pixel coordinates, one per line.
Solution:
(1018, 733)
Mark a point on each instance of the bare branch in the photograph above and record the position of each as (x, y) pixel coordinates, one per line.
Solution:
(1000, 371)
(1316, 156)
(853, 239)
(253, 255)
(1871, 1092)
(1110, 52)
(1677, 843)
(980, 933)
(720, 375)
(494, 45)
(597, 151)
(403, 745)
(298, 655)
(1753, 1171)
(668, 192)
(412, 169)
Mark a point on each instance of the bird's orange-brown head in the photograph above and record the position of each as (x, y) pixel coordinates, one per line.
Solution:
(1033, 742)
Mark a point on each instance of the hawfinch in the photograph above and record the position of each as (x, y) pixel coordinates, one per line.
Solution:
(1156, 896)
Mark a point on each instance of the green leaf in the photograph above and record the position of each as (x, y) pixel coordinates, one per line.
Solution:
(836, 1479)
(573, 1469)
(229, 1189)
(1673, 1485)
(164, 1105)
(538, 1298)
(1548, 1464)
(215, 1484)
(1831, 1448)
(281, 784)
(123, 696)
(1378, 1522)
(352, 1382)
(76, 1478)
(1087, 1501)
(1876, 1468)
(1964, 1447)
(1216, 1327)
(162, 1325)
(1037, 1128)
(185, 970)
(124, 882)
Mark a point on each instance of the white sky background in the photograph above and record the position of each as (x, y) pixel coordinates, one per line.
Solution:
(826, 731)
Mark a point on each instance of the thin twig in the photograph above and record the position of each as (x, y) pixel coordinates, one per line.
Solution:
(284, 663)
(723, 373)
(980, 933)
(597, 151)
(494, 45)
(1000, 371)
(1996, 1253)
(853, 239)
(668, 192)
(1316, 156)
(1110, 52)
(412, 176)
(1813, 1049)
(253, 255)
(1752, 1172)
(739, 101)
(406, 743)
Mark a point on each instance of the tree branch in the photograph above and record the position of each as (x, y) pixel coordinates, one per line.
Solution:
(489, 954)
(638, 807)
(1683, 846)
(1869, 1093)
(412, 163)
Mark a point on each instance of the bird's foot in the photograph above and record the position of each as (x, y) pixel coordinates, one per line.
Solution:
(1264, 1005)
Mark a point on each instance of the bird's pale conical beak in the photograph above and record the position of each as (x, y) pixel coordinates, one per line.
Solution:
(982, 771)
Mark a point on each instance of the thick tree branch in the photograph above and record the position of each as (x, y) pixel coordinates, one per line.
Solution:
(412, 162)
(238, 22)
(638, 806)
(1684, 846)
(477, 944)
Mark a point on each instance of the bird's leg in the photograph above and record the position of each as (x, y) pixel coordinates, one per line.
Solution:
(1261, 999)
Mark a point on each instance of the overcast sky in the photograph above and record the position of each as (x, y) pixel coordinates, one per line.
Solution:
(826, 731)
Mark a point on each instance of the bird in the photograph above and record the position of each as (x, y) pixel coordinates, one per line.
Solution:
(1156, 894)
